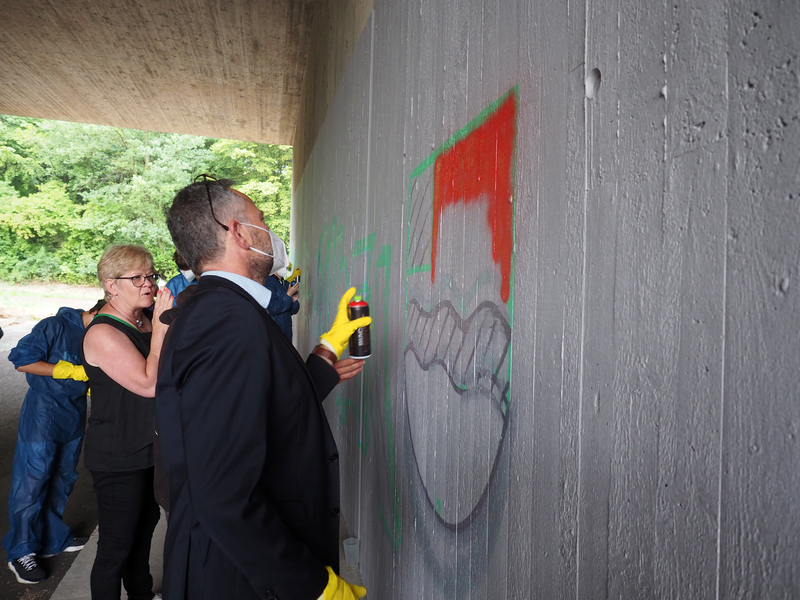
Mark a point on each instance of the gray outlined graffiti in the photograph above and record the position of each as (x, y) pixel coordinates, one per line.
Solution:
(459, 307)
(458, 365)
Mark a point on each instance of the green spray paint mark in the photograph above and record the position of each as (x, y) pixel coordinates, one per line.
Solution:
(365, 246)
(419, 269)
(362, 246)
(395, 531)
(384, 261)
(335, 265)
(332, 270)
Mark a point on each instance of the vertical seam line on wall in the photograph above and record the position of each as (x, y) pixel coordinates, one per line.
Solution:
(584, 276)
(724, 316)
(366, 266)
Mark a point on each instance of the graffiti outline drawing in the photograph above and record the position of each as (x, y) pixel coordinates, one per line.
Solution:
(459, 317)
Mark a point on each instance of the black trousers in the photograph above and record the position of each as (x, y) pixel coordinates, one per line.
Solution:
(127, 514)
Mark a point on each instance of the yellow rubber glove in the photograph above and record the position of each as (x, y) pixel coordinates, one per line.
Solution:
(336, 339)
(66, 370)
(295, 274)
(339, 589)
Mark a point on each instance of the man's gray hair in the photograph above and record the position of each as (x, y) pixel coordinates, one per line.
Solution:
(199, 238)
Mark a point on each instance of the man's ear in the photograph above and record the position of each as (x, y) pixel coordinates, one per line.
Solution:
(236, 233)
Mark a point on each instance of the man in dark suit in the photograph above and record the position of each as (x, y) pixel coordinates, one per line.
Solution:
(251, 462)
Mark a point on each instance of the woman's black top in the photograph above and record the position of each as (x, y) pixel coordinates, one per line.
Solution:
(120, 432)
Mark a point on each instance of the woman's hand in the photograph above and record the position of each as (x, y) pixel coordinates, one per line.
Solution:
(164, 302)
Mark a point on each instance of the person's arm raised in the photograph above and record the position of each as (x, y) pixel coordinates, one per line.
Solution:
(111, 350)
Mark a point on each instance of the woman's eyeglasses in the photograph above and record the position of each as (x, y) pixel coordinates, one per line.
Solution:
(138, 280)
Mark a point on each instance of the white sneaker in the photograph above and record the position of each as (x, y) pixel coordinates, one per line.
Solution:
(75, 545)
(26, 569)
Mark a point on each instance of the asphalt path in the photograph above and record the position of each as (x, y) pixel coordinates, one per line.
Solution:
(81, 510)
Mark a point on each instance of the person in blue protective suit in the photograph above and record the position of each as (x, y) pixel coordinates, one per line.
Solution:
(283, 303)
(49, 438)
(182, 280)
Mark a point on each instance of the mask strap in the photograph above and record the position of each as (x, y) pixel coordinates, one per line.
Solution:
(256, 249)
(261, 252)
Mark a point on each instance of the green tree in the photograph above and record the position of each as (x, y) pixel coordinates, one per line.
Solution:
(18, 164)
(69, 190)
(35, 226)
(263, 172)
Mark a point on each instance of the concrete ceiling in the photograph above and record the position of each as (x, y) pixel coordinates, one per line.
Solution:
(220, 68)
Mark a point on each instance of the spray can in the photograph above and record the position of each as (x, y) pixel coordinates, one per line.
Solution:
(359, 341)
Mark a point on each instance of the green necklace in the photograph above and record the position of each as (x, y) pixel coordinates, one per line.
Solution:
(118, 319)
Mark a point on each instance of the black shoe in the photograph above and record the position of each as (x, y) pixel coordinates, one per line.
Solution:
(27, 570)
(76, 544)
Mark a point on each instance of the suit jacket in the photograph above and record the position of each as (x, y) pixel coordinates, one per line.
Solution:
(252, 465)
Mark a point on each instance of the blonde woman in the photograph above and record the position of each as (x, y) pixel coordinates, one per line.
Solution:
(120, 351)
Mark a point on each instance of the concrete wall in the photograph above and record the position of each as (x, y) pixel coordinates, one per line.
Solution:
(584, 380)
(337, 27)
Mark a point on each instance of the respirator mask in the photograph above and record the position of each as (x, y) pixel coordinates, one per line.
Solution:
(280, 259)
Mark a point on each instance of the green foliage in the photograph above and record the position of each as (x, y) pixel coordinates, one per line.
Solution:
(263, 172)
(18, 167)
(44, 216)
(69, 190)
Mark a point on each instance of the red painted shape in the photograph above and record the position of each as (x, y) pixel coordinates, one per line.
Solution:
(480, 167)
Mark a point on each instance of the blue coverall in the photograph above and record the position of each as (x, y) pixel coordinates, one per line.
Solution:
(177, 284)
(49, 439)
(281, 306)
